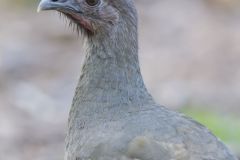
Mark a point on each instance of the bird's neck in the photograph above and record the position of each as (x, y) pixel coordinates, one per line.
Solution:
(111, 72)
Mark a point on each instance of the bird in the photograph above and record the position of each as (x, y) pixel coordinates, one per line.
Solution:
(113, 116)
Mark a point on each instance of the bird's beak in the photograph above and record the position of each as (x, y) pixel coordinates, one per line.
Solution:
(59, 5)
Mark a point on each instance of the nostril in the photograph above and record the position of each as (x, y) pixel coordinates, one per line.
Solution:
(53, 5)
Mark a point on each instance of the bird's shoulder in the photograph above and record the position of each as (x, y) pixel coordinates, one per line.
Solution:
(170, 134)
(147, 133)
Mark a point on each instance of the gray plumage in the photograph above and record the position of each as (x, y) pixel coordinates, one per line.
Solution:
(113, 117)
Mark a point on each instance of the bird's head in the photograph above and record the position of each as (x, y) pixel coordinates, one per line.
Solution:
(93, 16)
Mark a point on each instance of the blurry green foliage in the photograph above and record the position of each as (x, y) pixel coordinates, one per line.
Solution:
(226, 127)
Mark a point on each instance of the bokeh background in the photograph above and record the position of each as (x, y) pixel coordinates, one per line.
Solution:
(190, 60)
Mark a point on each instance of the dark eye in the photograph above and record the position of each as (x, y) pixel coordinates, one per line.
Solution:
(92, 2)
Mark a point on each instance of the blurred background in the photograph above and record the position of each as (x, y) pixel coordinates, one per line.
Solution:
(189, 55)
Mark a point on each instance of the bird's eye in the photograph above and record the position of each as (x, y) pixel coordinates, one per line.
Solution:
(92, 2)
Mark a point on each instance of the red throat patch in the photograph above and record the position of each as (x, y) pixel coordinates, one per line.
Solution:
(85, 23)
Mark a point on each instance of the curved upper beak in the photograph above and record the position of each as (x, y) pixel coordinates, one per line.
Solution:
(59, 5)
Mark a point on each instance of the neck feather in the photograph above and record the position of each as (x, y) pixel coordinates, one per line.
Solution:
(111, 72)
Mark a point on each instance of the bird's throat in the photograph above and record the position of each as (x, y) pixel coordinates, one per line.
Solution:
(111, 72)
